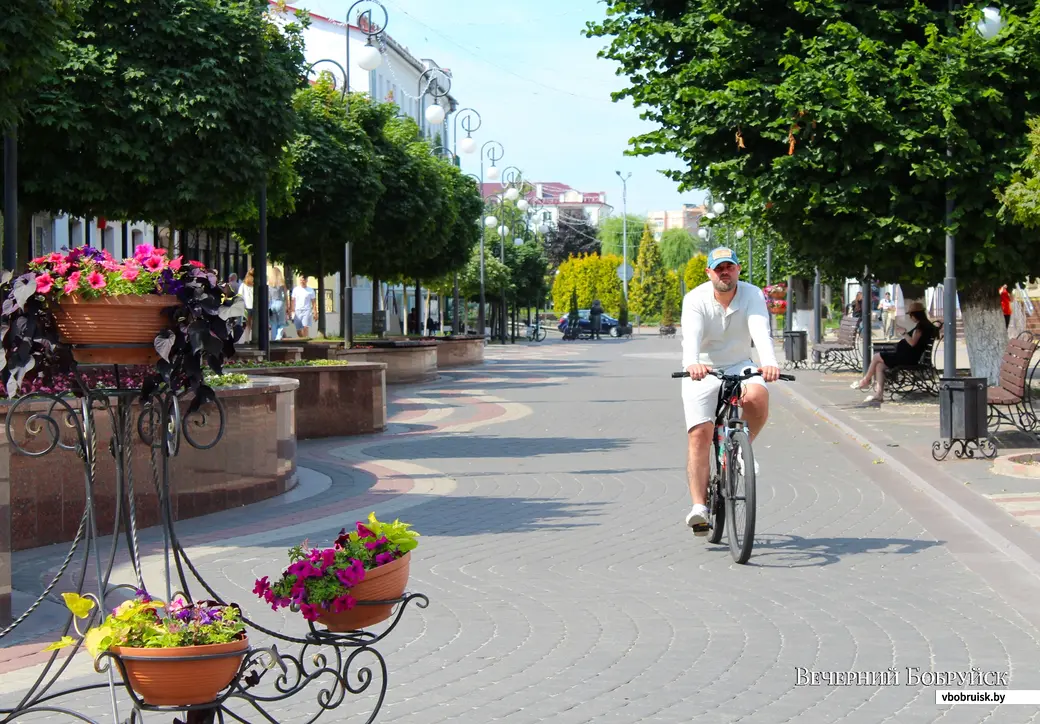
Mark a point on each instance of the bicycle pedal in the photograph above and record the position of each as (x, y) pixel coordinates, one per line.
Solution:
(701, 529)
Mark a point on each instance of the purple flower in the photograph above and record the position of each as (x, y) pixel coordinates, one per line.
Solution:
(343, 603)
(384, 558)
(262, 586)
(309, 612)
(208, 615)
(363, 531)
(143, 595)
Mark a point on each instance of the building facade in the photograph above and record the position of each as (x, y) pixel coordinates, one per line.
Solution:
(688, 218)
(551, 199)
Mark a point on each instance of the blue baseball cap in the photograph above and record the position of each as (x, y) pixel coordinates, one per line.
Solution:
(721, 256)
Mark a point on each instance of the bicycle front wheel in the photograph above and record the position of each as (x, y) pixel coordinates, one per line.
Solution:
(740, 496)
(540, 335)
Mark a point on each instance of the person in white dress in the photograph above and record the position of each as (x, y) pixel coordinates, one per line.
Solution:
(304, 308)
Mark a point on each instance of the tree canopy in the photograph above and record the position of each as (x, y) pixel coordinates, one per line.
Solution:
(337, 183)
(161, 110)
(31, 32)
(831, 120)
(572, 236)
(677, 246)
(611, 230)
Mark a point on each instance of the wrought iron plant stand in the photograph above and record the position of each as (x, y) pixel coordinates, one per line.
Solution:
(336, 664)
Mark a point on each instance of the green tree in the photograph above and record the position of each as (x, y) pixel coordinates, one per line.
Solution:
(590, 277)
(677, 247)
(572, 236)
(696, 272)
(163, 110)
(647, 288)
(31, 32)
(611, 233)
(672, 297)
(337, 183)
(843, 125)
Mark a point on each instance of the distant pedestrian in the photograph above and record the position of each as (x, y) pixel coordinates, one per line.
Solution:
(596, 318)
(305, 308)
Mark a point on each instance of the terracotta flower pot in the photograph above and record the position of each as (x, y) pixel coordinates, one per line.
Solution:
(384, 583)
(775, 293)
(125, 319)
(161, 682)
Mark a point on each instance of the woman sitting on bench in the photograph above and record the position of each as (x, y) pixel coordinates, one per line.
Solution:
(907, 352)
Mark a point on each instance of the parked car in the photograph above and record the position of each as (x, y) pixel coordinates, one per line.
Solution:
(607, 324)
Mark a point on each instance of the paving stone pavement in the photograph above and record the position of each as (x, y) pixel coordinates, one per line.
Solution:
(549, 488)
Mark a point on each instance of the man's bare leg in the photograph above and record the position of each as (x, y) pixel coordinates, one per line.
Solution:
(698, 450)
(755, 402)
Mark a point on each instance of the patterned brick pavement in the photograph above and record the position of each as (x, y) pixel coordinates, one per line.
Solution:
(549, 488)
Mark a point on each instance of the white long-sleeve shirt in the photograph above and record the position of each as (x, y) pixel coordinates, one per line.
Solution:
(721, 337)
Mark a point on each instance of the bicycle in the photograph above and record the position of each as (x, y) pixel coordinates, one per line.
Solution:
(731, 476)
(535, 333)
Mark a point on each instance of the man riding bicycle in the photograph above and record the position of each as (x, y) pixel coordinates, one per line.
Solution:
(720, 319)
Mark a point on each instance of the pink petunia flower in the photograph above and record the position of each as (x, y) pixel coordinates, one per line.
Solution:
(363, 531)
(56, 257)
(44, 282)
(73, 282)
(39, 260)
(130, 273)
(175, 265)
(343, 603)
(96, 280)
(309, 612)
(262, 586)
(153, 263)
(111, 265)
(197, 264)
(144, 251)
(61, 267)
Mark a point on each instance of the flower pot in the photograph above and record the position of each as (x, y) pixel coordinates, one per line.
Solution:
(170, 677)
(117, 321)
(385, 583)
(777, 293)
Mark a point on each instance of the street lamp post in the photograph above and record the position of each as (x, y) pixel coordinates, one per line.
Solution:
(513, 180)
(493, 155)
(624, 230)
(370, 58)
(465, 117)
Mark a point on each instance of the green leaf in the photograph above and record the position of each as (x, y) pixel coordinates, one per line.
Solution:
(63, 643)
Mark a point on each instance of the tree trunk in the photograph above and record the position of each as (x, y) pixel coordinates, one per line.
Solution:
(984, 331)
(321, 297)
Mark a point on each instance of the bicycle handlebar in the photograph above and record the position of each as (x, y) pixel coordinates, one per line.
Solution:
(724, 376)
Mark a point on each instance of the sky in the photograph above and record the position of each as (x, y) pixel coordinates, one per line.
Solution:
(526, 67)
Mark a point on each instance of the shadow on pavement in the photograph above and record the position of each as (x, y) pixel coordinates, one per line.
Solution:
(792, 551)
(478, 515)
(484, 446)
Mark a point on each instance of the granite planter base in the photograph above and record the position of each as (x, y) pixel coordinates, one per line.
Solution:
(460, 351)
(406, 362)
(336, 401)
(256, 459)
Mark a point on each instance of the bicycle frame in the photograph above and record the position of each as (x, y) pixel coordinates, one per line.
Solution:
(727, 418)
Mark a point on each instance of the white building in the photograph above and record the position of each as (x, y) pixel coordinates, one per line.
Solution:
(551, 198)
(398, 79)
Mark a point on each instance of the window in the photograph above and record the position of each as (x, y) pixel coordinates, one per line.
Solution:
(547, 216)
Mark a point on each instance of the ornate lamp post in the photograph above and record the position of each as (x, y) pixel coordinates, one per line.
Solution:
(468, 144)
(494, 151)
(624, 230)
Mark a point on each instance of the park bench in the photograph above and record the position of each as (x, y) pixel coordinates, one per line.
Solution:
(923, 377)
(840, 354)
(1010, 402)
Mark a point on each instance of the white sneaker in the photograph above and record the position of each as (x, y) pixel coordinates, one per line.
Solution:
(740, 459)
(698, 520)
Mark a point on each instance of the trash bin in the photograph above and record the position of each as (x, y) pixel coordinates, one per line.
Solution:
(796, 346)
(962, 408)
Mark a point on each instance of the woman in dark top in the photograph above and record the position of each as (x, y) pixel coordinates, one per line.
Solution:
(907, 352)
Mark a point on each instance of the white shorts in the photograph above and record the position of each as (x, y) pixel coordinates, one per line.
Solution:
(701, 397)
(303, 319)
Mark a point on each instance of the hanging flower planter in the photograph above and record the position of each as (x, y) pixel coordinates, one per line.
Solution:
(370, 563)
(88, 307)
(176, 654)
(776, 306)
(385, 583)
(114, 330)
(776, 291)
(175, 677)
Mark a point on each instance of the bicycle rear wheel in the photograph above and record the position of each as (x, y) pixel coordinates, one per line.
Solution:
(740, 496)
(716, 507)
(540, 335)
